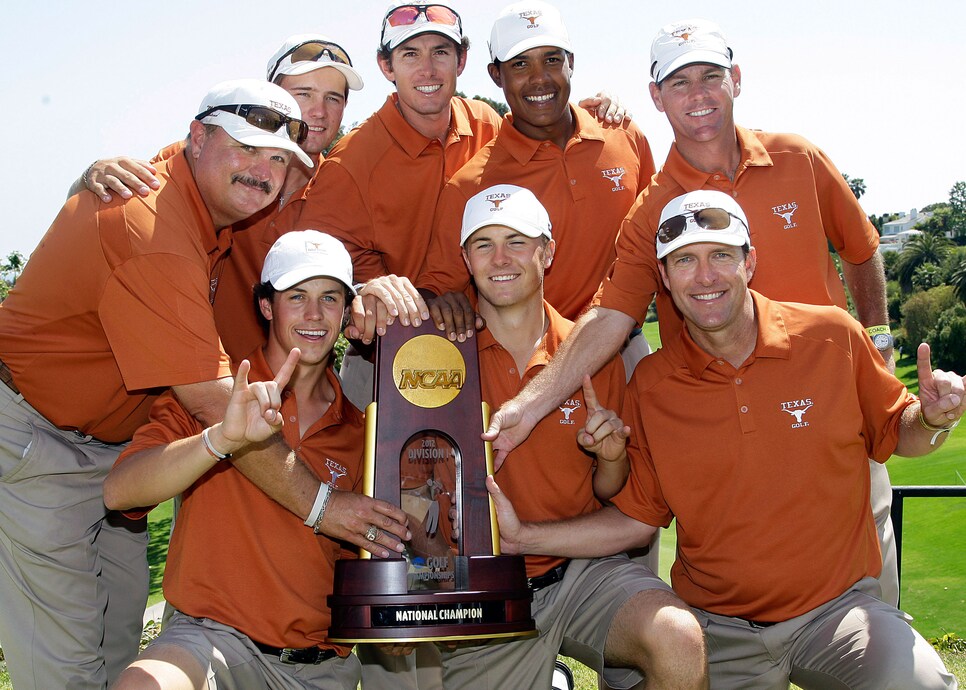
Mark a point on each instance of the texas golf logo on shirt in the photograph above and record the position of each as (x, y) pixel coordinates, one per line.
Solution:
(797, 410)
(616, 176)
(785, 212)
(568, 408)
(336, 470)
(531, 16)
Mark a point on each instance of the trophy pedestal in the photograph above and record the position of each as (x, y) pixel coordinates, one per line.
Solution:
(373, 603)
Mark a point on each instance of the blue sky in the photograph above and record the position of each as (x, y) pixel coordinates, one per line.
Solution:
(878, 85)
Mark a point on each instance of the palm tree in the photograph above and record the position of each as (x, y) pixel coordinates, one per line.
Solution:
(923, 249)
(856, 184)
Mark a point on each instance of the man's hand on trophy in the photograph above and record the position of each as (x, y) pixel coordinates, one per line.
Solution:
(377, 526)
(511, 529)
(454, 315)
(509, 427)
(398, 649)
(380, 302)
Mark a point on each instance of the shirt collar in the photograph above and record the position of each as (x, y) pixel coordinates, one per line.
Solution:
(522, 148)
(772, 342)
(753, 155)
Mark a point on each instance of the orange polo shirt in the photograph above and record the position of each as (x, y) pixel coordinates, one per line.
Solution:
(114, 305)
(237, 556)
(765, 467)
(796, 203)
(378, 188)
(548, 477)
(586, 187)
(235, 317)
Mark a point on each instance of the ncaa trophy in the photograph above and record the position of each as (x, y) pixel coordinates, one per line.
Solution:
(424, 453)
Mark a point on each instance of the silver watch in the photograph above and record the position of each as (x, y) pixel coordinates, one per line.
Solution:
(882, 341)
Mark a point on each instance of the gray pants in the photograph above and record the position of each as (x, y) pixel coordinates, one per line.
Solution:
(73, 577)
(854, 641)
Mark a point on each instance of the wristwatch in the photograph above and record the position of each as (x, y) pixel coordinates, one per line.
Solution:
(881, 337)
(882, 341)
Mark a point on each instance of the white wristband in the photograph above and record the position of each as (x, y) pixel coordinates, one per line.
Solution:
(318, 508)
(212, 451)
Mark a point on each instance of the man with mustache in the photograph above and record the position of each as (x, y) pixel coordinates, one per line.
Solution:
(113, 307)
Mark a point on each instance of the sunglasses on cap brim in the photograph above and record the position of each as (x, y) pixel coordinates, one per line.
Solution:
(263, 117)
(313, 51)
(705, 218)
(407, 15)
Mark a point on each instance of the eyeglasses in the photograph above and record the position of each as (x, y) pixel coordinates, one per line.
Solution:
(705, 218)
(266, 118)
(313, 51)
(408, 15)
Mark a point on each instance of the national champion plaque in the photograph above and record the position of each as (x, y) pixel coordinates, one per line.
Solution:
(424, 454)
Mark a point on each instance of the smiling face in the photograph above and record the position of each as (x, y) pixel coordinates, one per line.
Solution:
(709, 285)
(506, 265)
(321, 95)
(235, 180)
(307, 316)
(424, 70)
(536, 85)
(698, 101)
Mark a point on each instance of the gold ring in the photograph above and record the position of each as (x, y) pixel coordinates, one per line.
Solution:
(372, 533)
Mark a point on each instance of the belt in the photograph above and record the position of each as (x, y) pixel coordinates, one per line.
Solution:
(291, 655)
(7, 378)
(759, 624)
(551, 577)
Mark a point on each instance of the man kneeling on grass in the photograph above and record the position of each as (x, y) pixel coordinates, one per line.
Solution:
(247, 578)
(754, 434)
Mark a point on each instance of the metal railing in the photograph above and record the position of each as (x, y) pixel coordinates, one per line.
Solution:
(900, 493)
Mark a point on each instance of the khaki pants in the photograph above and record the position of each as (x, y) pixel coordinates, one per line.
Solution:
(73, 577)
(854, 641)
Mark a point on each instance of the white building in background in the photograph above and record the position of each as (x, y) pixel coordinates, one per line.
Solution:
(896, 233)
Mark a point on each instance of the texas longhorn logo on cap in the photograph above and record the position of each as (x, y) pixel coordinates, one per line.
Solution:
(531, 16)
(684, 33)
(497, 199)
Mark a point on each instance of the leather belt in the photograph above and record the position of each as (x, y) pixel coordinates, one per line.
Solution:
(551, 577)
(7, 378)
(292, 655)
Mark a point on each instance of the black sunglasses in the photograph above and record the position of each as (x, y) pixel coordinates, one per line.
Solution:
(705, 218)
(266, 118)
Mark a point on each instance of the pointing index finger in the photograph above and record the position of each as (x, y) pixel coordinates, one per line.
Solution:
(285, 371)
(924, 364)
(590, 395)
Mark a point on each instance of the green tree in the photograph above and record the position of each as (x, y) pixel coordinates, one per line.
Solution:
(10, 269)
(957, 202)
(948, 339)
(922, 249)
(921, 312)
(501, 108)
(856, 184)
(927, 277)
(939, 223)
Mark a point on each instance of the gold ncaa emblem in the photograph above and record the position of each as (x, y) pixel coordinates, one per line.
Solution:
(429, 371)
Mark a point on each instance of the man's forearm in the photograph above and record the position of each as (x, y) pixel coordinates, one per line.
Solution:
(597, 336)
(273, 467)
(867, 285)
(603, 533)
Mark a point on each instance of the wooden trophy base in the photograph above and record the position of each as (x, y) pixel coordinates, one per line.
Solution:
(371, 603)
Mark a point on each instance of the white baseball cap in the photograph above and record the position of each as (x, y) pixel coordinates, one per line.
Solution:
(403, 20)
(243, 94)
(686, 43)
(304, 254)
(525, 25)
(701, 216)
(509, 205)
(305, 53)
